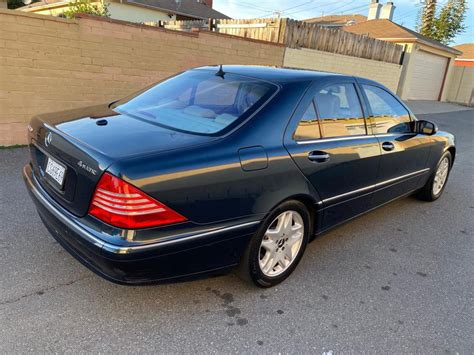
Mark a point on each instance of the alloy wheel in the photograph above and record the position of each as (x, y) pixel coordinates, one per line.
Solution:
(441, 176)
(281, 243)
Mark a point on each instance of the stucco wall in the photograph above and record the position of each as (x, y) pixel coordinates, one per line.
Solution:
(460, 87)
(51, 64)
(132, 13)
(117, 11)
(385, 73)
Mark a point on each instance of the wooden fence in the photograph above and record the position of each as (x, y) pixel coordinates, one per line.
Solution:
(307, 35)
(297, 34)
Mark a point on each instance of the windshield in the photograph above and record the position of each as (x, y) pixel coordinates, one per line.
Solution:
(199, 101)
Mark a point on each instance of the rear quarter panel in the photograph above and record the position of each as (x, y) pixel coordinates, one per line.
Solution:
(207, 183)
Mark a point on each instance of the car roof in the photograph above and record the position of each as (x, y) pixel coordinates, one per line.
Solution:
(274, 74)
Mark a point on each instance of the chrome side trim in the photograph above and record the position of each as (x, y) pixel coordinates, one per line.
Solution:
(379, 184)
(348, 193)
(336, 139)
(382, 135)
(418, 172)
(116, 248)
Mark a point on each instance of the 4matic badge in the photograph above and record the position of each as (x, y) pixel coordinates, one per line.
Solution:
(86, 168)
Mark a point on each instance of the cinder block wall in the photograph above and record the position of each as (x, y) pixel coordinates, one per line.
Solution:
(49, 64)
(385, 73)
(460, 86)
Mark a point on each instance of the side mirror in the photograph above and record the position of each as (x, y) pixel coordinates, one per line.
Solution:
(426, 127)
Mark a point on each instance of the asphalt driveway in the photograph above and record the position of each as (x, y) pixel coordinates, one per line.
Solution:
(400, 279)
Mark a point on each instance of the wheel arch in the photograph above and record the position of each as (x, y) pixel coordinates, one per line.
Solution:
(452, 150)
(310, 203)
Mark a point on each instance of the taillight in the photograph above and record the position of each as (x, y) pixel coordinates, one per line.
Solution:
(122, 205)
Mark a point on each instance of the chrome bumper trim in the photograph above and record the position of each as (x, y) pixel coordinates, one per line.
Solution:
(116, 249)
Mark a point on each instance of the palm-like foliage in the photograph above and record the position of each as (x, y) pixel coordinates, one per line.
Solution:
(445, 25)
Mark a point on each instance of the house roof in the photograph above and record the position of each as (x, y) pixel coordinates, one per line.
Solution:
(190, 8)
(392, 32)
(467, 50)
(337, 19)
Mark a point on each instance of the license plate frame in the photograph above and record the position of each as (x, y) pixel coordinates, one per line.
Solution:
(55, 171)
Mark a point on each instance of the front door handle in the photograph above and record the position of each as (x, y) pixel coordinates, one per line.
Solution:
(388, 146)
(319, 157)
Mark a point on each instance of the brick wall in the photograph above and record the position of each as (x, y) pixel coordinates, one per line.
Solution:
(49, 64)
(385, 73)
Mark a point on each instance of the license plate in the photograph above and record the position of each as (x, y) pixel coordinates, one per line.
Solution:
(56, 171)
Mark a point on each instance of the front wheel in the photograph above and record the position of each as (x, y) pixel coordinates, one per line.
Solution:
(277, 247)
(435, 185)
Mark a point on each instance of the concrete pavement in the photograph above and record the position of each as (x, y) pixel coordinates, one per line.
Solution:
(433, 107)
(399, 279)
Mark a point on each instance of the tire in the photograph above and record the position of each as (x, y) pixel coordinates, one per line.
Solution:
(432, 190)
(285, 244)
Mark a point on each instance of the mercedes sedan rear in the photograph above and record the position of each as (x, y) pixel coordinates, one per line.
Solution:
(219, 167)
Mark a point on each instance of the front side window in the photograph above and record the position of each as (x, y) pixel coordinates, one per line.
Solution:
(308, 126)
(198, 101)
(388, 115)
(340, 112)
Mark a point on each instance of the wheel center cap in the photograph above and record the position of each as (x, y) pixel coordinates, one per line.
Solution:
(281, 242)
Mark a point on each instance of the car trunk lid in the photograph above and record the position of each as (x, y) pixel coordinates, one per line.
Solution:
(85, 142)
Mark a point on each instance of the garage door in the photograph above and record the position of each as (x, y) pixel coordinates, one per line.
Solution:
(427, 76)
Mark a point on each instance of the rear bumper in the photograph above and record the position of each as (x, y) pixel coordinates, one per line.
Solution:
(211, 250)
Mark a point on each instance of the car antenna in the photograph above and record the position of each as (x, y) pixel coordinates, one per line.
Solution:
(220, 72)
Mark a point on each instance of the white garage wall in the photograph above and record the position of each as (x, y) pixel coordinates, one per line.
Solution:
(427, 76)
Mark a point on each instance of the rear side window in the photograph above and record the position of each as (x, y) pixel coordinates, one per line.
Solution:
(388, 115)
(199, 102)
(340, 112)
(308, 127)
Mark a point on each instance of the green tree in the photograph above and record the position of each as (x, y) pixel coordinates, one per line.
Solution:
(90, 7)
(428, 17)
(445, 25)
(450, 21)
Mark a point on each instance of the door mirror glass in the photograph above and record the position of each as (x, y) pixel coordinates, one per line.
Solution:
(426, 127)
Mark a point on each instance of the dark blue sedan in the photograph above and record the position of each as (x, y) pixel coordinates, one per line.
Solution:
(219, 167)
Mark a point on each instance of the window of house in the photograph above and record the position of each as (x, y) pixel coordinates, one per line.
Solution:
(388, 115)
(308, 127)
(340, 113)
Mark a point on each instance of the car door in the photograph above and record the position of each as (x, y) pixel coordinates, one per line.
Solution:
(404, 154)
(328, 140)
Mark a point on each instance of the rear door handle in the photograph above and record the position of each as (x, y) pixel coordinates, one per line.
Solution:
(388, 146)
(319, 157)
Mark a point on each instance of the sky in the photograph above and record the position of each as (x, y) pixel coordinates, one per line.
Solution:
(406, 11)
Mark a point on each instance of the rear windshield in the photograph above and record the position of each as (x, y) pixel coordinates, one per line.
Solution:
(199, 101)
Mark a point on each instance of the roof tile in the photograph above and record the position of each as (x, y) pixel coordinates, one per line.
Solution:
(467, 50)
(391, 31)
